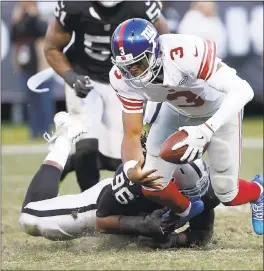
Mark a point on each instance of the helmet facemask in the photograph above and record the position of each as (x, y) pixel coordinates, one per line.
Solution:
(149, 61)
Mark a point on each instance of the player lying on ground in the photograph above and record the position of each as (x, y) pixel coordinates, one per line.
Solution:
(200, 93)
(115, 205)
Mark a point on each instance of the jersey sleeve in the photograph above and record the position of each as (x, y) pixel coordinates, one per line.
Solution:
(67, 14)
(107, 204)
(207, 62)
(131, 100)
(150, 10)
(195, 56)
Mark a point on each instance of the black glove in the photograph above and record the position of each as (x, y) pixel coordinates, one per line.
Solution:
(198, 238)
(148, 225)
(165, 242)
(170, 222)
(80, 83)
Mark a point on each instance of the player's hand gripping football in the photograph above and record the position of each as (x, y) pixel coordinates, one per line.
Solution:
(81, 83)
(136, 175)
(198, 137)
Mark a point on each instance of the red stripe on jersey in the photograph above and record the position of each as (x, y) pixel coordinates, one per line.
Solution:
(136, 100)
(213, 59)
(201, 65)
(121, 33)
(134, 103)
(206, 65)
(209, 59)
(134, 108)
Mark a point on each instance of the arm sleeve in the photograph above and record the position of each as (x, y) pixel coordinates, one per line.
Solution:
(107, 204)
(238, 94)
(151, 10)
(132, 101)
(130, 105)
(195, 56)
(67, 14)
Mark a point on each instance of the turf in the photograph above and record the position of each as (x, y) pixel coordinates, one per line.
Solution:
(234, 246)
(19, 134)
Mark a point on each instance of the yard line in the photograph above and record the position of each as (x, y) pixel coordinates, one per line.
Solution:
(248, 143)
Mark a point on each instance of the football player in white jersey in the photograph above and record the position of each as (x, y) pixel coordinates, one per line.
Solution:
(114, 204)
(200, 94)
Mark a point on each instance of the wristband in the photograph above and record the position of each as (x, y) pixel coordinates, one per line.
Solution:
(129, 164)
(70, 77)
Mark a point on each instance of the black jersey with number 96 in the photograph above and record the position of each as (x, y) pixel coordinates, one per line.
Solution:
(93, 26)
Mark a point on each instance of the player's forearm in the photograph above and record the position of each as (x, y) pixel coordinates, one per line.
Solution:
(109, 224)
(57, 60)
(55, 40)
(131, 148)
(238, 94)
(120, 224)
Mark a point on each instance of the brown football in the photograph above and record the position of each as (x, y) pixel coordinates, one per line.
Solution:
(167, 154)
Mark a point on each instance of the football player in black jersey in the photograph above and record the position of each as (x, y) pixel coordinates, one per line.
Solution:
(113, 205)
(86, 27)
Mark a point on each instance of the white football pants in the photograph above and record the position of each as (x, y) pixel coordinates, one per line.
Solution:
(63, 217)
(102, 111)
(224, 151)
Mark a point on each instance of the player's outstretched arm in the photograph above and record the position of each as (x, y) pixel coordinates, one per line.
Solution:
(132, 154)
(146, 225)
(55, 40)
(131, 146)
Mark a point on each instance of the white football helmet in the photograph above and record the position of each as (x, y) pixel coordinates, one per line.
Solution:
(193, 178)
(109, 4)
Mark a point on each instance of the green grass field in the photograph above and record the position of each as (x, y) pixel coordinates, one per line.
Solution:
(20, 135)
(234, 245)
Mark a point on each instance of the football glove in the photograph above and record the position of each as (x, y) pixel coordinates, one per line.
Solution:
(198, 137)
(80, 83)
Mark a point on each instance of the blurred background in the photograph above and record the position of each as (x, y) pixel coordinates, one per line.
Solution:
(236, 27)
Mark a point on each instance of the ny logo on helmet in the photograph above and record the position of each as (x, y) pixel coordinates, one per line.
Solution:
(149, 33)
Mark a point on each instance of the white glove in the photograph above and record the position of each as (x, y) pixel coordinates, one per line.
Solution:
(198, 137)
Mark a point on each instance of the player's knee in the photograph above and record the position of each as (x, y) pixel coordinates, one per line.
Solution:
(42, 226)
(28, 224)
(221, 165)
(225, 186)
(222, 161)
(86, 146)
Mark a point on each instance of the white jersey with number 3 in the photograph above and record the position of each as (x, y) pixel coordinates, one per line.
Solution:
(188, 64)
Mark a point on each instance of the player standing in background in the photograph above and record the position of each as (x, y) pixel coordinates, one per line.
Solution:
(200, 93)
(85, 67)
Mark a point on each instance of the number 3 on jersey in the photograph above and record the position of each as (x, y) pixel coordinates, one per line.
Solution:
(176, 51)
(191, 98)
